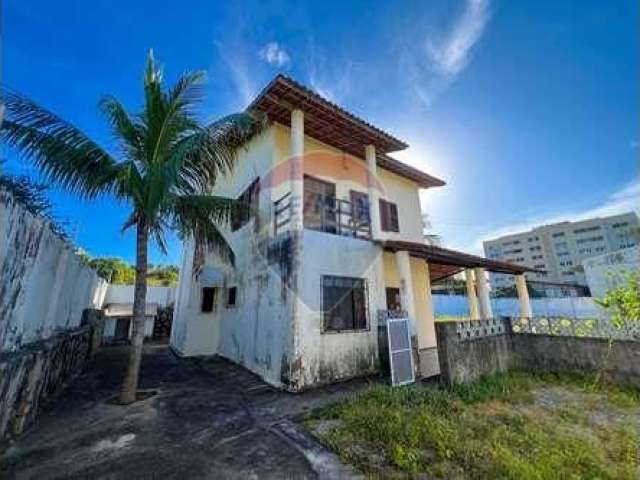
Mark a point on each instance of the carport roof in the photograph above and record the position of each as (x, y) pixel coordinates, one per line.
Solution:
(444, 262)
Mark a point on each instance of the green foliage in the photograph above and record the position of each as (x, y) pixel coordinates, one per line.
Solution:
(624, 300)
(163, 275)
(168, 160)
(117, 271)
(492, 428)
(32, 196)
(114, 270)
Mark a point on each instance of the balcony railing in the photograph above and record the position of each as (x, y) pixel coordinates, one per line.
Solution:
(325, 214)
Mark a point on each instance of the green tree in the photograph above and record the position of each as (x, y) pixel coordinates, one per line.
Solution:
(624, 300)
(167, 163)
(164, 275)
(114, 270)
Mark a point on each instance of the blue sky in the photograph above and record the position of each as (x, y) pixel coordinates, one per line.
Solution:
(529, 110)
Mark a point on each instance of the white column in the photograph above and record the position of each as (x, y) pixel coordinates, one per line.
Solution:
(472, 298)
(482, 287)
(372, 183)
(430, 318)
(523, 296)
(406, 283)
(297, 167)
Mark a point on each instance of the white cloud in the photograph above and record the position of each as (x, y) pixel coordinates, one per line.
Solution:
(432, 69)
(333, 80)
(625, 200)
(274, 54)
(235, 59)
(450, 56)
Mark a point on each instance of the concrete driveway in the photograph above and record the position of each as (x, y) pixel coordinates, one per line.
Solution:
(210, 419)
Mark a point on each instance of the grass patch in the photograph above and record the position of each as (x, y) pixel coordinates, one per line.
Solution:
(517, 425)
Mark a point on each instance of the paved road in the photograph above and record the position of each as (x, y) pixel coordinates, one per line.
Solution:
(209, 420)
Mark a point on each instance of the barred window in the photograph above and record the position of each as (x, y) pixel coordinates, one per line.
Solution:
(344, 303)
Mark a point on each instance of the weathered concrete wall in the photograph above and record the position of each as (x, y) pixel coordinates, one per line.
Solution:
(324, 357)
(33, 376)
(466, 358)
(44, 286)
(551, 352)
(469, 350)
(256, 332)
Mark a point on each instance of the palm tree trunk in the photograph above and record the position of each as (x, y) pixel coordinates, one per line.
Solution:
(130, 383)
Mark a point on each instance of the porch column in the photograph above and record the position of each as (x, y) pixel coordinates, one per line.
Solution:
(372, 184)
(406, 283)
(430, 318)
(523, 296)
(297, 168)
(472, 298)
(483, 293)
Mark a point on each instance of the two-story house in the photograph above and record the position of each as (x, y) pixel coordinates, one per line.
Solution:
(334, 240)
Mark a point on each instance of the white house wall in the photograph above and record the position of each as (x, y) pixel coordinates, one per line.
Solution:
(330, 356)
(254, 333)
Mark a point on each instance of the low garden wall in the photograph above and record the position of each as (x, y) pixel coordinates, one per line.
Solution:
(37, 373)
(469, 349)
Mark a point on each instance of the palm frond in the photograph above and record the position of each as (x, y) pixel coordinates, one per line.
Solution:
(63, 153)
(168, 116)
(200, 158)
(199, 216)
(126, 129)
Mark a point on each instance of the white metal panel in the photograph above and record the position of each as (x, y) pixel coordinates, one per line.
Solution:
(400, 354)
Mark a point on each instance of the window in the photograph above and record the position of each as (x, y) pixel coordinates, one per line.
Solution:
(232, 294)
(208, 299)
(389, 216)
(586, 229)
(558, 234)
(319, 205)
(393, 299)
(344, 303)
(249, 201)
(590, 239)
(619, 225)
(360, 206)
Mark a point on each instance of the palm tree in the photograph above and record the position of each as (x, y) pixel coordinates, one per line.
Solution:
(167, 165)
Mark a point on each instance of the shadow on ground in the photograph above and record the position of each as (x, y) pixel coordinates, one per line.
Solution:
(210, 419)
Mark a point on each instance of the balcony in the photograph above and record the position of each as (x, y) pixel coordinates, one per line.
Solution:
(325, 214)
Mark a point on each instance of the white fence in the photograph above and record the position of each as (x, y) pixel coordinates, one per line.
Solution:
(162, 296)
(576, 307)
(44, 286)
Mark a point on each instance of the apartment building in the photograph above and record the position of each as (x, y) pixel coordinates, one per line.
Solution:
(560, 248)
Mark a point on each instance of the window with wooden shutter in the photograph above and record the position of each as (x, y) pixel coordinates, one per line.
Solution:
(249, 204)
(389, 216)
